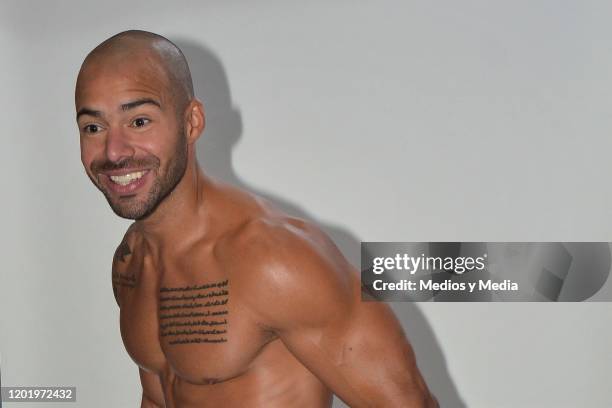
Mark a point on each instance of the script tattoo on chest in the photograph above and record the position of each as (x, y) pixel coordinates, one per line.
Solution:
(194, 314)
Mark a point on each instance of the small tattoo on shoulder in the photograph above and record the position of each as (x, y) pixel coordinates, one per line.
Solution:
(123, 250)
(125, 279)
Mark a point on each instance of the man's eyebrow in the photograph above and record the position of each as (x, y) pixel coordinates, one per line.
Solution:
(124, 107)
(90, 112)
(133, 104)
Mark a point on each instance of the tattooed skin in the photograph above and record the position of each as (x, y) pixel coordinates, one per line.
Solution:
(122, 251)
(123, 279)
(194, 314)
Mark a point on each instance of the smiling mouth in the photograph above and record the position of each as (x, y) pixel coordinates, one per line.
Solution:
(128, 178)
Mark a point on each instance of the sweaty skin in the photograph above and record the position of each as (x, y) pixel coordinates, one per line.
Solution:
(224, 301)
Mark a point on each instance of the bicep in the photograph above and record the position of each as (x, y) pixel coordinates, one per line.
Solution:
(152, 391)
(364, 357)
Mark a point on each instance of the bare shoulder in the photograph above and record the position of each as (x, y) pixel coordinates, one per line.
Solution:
(127, 246)
(281, 265)
(123, 259)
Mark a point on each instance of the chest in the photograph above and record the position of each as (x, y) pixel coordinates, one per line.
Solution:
(189, 319)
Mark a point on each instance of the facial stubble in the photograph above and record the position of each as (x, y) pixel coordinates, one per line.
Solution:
(128, 206)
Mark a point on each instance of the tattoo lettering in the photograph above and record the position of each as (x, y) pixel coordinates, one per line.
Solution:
(194, 314)
(126, 280)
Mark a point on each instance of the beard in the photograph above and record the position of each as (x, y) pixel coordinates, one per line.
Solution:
(132, 208)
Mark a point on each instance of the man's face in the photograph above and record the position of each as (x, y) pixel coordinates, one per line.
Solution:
(133, 145)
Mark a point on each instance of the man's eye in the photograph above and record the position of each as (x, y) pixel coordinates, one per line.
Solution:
(140, 122)
(92, 128)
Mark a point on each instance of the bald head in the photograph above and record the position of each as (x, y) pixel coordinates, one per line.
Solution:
(153, 52)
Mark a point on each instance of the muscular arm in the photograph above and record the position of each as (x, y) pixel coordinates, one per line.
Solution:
(310, 297)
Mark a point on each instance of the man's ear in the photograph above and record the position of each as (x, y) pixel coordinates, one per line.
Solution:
(195, 120)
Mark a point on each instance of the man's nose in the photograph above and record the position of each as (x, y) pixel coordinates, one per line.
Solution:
(117, 145)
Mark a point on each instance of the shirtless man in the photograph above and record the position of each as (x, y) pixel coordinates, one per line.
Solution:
(224, 301)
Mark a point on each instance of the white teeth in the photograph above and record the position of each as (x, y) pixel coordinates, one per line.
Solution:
(126, 179)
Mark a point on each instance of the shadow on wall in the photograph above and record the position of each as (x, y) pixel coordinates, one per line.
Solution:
(214, 152)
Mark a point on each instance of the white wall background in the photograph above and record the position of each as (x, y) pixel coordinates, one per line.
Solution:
(380, 120)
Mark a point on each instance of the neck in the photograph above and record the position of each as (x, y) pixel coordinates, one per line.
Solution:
(182, 212)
